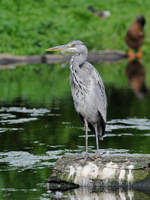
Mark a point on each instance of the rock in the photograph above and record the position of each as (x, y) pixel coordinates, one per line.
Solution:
(111, 172)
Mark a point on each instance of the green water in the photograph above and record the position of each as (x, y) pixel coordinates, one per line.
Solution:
(33, 138)
(38, 124)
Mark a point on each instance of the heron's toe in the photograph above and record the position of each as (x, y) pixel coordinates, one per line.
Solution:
(87, 157)
(98, 155)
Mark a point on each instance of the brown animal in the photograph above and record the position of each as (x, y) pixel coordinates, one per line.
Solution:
(135, 38)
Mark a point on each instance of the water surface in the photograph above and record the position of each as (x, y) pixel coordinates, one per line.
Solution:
(33, 138)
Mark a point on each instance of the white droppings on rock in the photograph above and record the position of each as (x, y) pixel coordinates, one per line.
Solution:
(71, 172)
(83, 174)
(130, 176)
(122, 175)
(77, 174)
(130, 167)
(109, 171)
(90, 170)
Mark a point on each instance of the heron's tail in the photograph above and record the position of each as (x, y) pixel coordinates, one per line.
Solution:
(101, 125)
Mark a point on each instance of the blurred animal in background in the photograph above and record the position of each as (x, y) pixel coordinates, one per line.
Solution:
(135, 38)
(99, 13)
(136, 76)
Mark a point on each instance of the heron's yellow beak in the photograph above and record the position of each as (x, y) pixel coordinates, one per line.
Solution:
(54, 49)
(57, 48)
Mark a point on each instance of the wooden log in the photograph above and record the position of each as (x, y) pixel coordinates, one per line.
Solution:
(108, 56)
(108, 172)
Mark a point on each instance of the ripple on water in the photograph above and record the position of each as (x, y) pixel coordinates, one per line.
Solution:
(2, 130)
(8, 115)
(18, 121)
(32, 112)
(116, 124)
(131, 123)
(24, 160)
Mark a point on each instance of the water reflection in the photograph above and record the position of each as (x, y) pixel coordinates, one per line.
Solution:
(135, 73)
(86, 194)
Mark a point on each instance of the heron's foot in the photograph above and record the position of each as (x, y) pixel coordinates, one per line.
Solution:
(98, 155)
(88, 157)
(85, 158)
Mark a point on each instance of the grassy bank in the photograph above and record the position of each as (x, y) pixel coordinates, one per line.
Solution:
(28, 27)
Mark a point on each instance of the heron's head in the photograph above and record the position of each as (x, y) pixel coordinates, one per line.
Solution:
(75, 46)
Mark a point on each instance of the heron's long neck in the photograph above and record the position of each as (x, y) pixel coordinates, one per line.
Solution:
(75, 68)
(77, 60)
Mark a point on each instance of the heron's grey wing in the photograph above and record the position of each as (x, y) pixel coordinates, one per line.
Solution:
(99, 91)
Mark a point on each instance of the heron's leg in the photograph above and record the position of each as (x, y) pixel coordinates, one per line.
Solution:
(97, 141)
(86, 157)
(86, 142)
(86, 136)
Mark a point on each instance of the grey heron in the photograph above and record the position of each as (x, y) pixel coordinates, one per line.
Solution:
(87, 89)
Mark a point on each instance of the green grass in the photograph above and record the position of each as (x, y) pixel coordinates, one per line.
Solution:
(29, 27)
